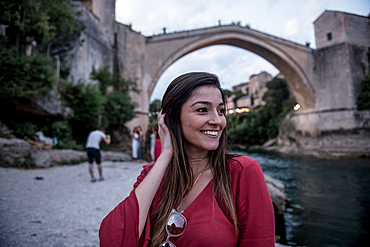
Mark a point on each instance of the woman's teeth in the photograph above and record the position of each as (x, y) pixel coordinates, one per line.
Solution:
(212, 133)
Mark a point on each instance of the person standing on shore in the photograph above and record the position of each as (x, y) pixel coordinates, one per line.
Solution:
(157, 145)
(135, 144)
(140, 152)
(93, 151)
(153, 134)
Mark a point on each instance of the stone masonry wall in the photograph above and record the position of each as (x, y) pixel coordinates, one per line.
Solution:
(351, 139)
(131, 53)
(91, 50)
(339, 70)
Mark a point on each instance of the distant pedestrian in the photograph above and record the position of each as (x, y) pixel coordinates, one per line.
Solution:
(135, 144)
(93, 151)
(140, 151)
(157, 146)
(153, 130)
(147, 144)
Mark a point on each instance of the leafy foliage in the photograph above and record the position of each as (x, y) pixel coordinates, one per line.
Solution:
(54, 24)
(154, 107)
(107, 81)
(109, 98)
(119, 107)
(23, 77)
(363, 100)
(25, 129)
(278, 92)
(42, 19)
(257, 127)
(87, 103)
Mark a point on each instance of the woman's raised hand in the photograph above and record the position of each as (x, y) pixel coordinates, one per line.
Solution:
(165, 136)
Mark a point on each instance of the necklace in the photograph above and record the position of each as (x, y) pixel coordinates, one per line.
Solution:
(200, 174)
(196, 160)
(196, 180)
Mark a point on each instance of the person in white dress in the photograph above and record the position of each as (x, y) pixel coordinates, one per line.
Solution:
(152, 141)
(135, 144)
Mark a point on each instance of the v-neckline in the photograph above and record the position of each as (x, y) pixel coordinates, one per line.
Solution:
(199, 195)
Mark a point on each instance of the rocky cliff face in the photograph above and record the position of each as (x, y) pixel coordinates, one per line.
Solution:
(48, 105)
(330, 143)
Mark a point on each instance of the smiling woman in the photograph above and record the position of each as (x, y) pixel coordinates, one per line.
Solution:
(195, 194)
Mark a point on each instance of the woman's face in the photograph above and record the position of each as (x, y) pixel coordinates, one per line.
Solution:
(203, 120)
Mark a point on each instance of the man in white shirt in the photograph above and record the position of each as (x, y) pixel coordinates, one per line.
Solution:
(93, 151)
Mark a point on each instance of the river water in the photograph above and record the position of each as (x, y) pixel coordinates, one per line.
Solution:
(329, 199)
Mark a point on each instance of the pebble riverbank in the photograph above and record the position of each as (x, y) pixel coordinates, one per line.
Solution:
(59, 206)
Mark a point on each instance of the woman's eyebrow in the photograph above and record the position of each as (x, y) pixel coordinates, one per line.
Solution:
(202, 103)
(205, 103)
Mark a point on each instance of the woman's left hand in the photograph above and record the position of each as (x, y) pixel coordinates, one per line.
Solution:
(165, 136)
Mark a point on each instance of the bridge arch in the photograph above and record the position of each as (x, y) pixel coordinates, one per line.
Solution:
(274, 51)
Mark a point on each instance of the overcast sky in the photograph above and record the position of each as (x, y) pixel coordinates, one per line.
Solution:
(288, 19)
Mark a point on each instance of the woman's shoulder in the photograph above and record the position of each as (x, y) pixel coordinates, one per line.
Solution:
(241, 162)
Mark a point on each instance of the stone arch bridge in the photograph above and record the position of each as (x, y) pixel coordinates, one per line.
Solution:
(294, 61)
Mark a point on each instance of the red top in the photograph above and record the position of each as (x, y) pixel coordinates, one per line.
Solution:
(207, 224)
(157, 148)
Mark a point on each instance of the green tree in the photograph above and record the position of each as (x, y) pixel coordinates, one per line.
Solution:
(87, 103)
(108, 81)
(22, 77)
(276, 95)
(155, 105)
(363, 100)
(46, 21)
(257, 127)
(119, 108)
(228, 92)
(154, 108)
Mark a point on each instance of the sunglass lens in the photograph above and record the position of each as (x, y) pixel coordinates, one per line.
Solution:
(176, 224)
(167, 244)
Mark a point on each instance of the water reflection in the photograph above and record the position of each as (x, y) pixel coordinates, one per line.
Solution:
(330, 199)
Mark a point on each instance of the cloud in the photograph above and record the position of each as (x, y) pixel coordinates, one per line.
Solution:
(292, 27)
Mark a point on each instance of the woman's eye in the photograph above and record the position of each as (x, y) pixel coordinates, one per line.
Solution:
(202, 110)
(221, 111)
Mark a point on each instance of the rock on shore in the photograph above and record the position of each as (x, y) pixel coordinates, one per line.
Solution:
(14, 153)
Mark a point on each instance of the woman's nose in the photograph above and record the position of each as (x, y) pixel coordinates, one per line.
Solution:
(215, 118)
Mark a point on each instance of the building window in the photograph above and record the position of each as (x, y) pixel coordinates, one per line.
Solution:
(329, 36)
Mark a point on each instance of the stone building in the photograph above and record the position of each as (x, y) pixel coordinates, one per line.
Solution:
(256, 88)
(334, 27)
(243, 87)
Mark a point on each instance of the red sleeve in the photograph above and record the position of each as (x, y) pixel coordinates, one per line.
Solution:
(120, 226)
(254, 206)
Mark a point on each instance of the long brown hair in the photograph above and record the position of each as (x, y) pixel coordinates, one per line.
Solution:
(179, 175)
